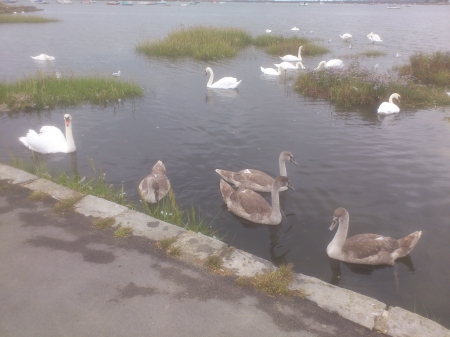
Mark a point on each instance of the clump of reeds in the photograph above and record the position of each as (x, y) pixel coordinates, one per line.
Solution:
(198, 42)
(428, 68)
(358, 86)
(47, 91)
(279, 45)
(372, 53)
(11, 18)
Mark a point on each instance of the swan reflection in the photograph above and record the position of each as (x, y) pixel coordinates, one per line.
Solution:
(222, 95)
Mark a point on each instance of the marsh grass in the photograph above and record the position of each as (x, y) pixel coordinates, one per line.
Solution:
(210, 43)
(428, 68)
(66, 205)
(36, 166)
(123, 232)
(371, 53)
(47, 91)
(11, 18)
(103, 223)
(38, 196)
(359, 86)
(272, 283)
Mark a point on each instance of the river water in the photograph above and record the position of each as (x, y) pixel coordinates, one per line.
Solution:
(392, 174)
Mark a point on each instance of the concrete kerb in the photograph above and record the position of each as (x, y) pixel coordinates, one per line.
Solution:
(195, 247)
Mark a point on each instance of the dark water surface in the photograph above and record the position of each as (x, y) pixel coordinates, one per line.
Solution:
(392, 174)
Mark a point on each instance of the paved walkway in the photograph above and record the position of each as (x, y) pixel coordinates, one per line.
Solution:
(61, 277)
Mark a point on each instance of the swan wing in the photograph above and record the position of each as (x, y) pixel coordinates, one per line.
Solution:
(285, 65)
(335, 63)
(226, 83)
(49, 140)
(388, 108)
(254, 179)
(364, 246)
(269, 71)
(249, 205)
(290, 58)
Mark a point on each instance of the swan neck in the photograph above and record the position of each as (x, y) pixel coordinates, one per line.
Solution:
(341, 233)
(275, 215)
(391, 99)
(282, 164)
(69, 138)
(322, 63)
(300, 53)
(211, 77)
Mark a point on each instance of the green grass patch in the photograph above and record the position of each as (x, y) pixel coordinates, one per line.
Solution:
(47, 91)
(359, 86)
(280, 46)
(36, 166)
(167, 245)
(123, 232)
(38, 196)
(214, 264)
(272, 283)
(18, 18)
(66, 205)
(428, 68)
(103, 223)
(372, 53)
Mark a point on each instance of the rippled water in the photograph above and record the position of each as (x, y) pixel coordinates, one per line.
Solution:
(392, 173)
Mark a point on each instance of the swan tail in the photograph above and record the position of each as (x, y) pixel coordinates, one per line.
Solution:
(408, 243)
(226, 191)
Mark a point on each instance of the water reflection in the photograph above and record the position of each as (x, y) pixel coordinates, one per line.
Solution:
(224, 95)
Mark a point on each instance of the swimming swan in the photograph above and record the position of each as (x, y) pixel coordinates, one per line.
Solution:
(251, 205)
(51, 139)
(43, 57)
(292, 58)
(372, 249)
(290, 66)
(374, 37)
(334, 63)
(257, 180)
(389, 108)
(273, 72)
(346, 37)
(294, 28)
(156, 185)
(223, 83)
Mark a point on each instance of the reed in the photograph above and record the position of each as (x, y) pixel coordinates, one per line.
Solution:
(428, 68)
(15, 18)
(47, 91)
(358, 86)
(198, 42)
(279, 45)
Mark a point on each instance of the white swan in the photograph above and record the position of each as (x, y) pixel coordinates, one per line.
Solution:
(251, 205)
(292, 58)
(397, 55)
(334, 63)
(223, 83)
(371, 249)
(290, 66)
(268, 31)
(374, 37)
(273, 72)
(156, 185)
(389, 108)
(43, 57)
(346, 37)
(51, 139)
(295, 28)
(116, 74)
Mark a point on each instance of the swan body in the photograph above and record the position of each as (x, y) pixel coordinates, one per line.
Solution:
(116, 74)
(290, 66)
(389, 107)
(251, 205)
(294, 28)
(257, 180)
(273, 72)
(43, 57)
(292, 58)
(371, 249)
(156, 185)
(51, 139)
(374, 37)
(268, 31)
(334, 63)
(223, 83)
(346, 37)
(397, 55)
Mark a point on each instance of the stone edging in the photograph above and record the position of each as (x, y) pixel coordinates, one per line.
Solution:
(196, 247)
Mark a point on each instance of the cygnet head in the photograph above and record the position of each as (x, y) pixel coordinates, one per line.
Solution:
(286, 155)
(282, 181)
(339, 214)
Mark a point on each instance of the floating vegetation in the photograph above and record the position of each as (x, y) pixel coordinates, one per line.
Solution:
(48, 91)
(371, 53)
(428, 68)
(358, 86)
(14, 18)
(279, 45)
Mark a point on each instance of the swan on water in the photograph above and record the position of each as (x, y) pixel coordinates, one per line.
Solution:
(294, 28)
(374, 37)
(51, 139)
(223, 83)
(290, 66)
(116, 74)
(350, 47)
(371, 249)
(268, 31)
(257, 180)
(389, 108)
(334, 63)
(252, 206)
(346, 37)
(156, 185)
(273, 72)
(292, 58)
(43, 57)
(397, 55)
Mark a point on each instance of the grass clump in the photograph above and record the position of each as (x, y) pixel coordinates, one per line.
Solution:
(198, 42)
(123, 232)
(358, 86)
(38, 196)
(213, 263)
(279, 45)
(66, 205)
(428, 68)
(273, 283)
(372, 53)
(11, 18)
(47, 91)
(103, 223)
(167, 245)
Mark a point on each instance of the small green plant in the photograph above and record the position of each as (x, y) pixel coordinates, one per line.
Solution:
(213, 263)
(38, 196)
(10, 18)
(372, 53)
(123, 232)
(272, 283)
(36, 166)
(66, 205)
(103, 223)
(167, 245)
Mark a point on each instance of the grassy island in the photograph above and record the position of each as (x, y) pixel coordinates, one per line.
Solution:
(16, 18)
(209, 43)
(48, 91)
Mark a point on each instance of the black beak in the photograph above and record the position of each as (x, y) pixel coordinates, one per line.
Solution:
(290, 186)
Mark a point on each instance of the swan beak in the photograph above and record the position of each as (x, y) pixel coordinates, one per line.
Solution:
(333, 224)
(292, 160)
(67, 119)
(290, 186)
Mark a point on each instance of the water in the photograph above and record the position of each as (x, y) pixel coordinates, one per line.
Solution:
(392, 174)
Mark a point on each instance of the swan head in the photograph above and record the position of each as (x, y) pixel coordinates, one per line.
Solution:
(286, 155)
(301, 65)
(282, 181)
(208, 70)
(370, 35)
(322, 63)
(67, 119)
(339, 214)
(396, 96)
